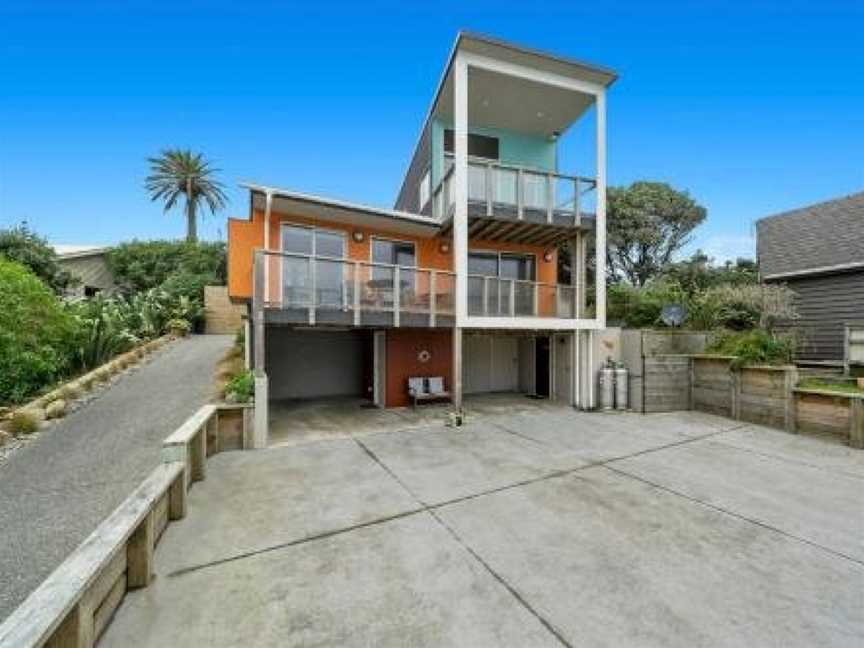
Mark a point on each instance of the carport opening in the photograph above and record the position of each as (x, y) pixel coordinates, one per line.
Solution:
(321, 364)
(506, 363)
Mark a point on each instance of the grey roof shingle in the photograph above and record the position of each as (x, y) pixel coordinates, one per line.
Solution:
(820, 236)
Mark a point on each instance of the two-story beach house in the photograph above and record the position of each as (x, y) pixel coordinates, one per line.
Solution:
(458, 280)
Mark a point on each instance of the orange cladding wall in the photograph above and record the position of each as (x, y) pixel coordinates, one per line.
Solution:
(404, 347)
(244, 236)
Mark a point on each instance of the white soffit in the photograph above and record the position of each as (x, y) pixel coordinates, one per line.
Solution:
(507, 102)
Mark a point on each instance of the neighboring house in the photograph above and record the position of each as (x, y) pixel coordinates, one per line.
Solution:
(459, 279)
(87, 264)
(818, 251)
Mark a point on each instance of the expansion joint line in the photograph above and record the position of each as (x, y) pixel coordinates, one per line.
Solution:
(431, 510)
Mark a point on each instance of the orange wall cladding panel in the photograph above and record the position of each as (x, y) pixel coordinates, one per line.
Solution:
(244, 236)
(404, 348)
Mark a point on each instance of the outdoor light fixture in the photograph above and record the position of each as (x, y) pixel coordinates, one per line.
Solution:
(357, 235)
(547, 256)
(444, 247)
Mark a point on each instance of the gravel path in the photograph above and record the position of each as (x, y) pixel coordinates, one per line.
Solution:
(57, 489)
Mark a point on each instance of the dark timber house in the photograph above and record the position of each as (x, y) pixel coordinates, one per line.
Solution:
(818, 251)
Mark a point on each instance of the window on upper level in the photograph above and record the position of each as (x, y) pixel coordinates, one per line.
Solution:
(425, 189)
(480, 146)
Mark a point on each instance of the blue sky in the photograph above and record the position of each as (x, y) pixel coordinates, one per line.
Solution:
(753, 107)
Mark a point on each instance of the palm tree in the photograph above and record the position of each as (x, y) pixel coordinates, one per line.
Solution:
(178, 172)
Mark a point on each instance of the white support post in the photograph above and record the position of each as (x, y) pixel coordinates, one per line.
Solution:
(489, 176)
(600, 233)
(550, 199)
(577, 369)
(520, 194)
(485, 294)
(512, 298)
(460, 217)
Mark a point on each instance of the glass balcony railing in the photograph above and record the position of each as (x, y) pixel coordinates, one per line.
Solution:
(322, 290)
(508, 191)
(497, 297)
(318, 289)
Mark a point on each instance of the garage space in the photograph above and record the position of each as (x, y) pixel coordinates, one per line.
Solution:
(503, 363)
(305, 364)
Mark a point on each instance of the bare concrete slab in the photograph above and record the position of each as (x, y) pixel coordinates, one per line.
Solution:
(819, 506)
(256, 500)
(403, 583)
(502, 533)
(593, 437)
(826, 453)
(442, 464)
(611, 561)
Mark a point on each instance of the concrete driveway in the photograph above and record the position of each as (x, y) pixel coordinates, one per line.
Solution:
(541, 528)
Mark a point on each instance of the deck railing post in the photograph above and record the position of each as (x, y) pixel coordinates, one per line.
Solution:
(489, 189)
(433, 305)
(512, 298)
(550, 197)
(485, 295)
(356, 293)
(520, 193)
(313, 281)
(397, 289)
(577, 215)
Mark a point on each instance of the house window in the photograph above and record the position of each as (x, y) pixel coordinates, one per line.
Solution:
(501, 283)
(480, 146)
(394, 253)
(425, 189)
(297, 279)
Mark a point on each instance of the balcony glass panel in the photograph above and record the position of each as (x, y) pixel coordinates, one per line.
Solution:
(505, 186)
(477, 182)
(535, 190)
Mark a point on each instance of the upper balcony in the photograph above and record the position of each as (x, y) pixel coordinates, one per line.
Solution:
(507, 202)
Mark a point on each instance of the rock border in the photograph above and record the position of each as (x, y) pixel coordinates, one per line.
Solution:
(57, 403)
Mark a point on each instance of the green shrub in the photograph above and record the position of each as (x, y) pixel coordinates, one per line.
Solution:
(23, 423)
(754, 347)
(103, 331)
(640, 307)
(242, 386)
(35, 334)
(186, 267)
(178, 327)
(24, 246)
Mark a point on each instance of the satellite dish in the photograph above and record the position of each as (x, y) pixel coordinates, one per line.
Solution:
(673, 314)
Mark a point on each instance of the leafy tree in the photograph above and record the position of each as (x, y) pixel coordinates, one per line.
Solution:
(179, 267)
(178, 173)
(24, 246)
(647, 223)
(699, 272)
(36, 332)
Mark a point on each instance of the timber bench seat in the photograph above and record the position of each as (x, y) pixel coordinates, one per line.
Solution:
(422, 390)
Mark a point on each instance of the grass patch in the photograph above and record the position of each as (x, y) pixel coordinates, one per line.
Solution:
(831, 386)
(23, 423)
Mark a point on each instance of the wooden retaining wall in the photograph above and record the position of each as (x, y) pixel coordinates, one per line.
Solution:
(72, 607)
(838, 415)
(712, 385)
(666, 386)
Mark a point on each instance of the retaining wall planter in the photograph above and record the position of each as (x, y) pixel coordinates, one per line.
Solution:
(824, 412)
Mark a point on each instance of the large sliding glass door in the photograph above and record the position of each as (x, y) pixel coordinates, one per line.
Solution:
(500, 283)
(303, 276)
